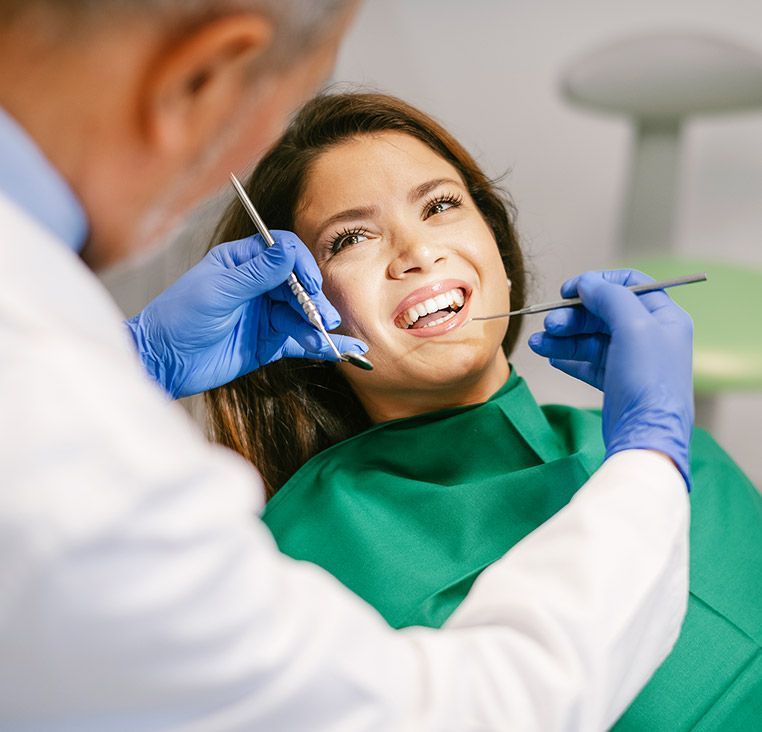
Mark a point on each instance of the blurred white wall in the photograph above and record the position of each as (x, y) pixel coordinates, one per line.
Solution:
(488, 69)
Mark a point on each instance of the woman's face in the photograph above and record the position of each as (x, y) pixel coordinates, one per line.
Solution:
(406, 258)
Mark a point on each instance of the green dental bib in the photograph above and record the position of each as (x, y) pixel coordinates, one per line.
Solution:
(408, 513)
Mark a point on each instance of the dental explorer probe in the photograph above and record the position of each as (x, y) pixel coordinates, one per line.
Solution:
(571, 301)
(309, 307)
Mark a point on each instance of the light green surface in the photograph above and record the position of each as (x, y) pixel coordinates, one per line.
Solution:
(727, 317)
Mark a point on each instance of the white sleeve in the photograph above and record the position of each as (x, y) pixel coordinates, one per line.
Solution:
(138, 590)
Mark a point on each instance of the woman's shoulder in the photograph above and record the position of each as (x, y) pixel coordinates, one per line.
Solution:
(720, 644)
(726, 536)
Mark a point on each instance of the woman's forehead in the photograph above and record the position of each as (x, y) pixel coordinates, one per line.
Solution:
(361, 170)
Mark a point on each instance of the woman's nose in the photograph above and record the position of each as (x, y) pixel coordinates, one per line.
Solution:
(416, 257)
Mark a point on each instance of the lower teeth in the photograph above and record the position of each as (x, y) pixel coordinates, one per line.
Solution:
(450, 314)
(441, 320)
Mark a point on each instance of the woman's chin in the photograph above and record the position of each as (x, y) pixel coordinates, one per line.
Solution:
(451, 367)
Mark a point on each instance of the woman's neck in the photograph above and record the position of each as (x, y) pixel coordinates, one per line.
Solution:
(475, 389)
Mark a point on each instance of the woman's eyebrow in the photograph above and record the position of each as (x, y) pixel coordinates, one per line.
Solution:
(350, 214)
(420, 191)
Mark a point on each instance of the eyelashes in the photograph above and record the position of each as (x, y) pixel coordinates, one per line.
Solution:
(341, 240)
(437, 202)
(432, 207)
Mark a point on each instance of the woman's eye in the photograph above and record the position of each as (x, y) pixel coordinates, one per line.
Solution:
(441, 204)
(347, 238)
(439, 207)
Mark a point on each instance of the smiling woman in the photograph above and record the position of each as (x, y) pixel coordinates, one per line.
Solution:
(406, 482)
(399, 216)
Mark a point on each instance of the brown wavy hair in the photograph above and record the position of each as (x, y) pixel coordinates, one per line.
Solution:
(281, 415)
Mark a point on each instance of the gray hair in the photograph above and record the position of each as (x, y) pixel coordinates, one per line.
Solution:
(300, 24)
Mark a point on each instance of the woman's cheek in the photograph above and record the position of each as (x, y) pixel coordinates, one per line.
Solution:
(346, 298)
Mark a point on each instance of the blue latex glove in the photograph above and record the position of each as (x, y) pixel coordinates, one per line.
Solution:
(232, 313)
(638, 350)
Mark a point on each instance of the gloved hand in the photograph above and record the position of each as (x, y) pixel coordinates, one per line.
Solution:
(638, 350)
(232, 313)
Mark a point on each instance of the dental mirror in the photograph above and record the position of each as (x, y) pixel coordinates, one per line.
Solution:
(357, 359)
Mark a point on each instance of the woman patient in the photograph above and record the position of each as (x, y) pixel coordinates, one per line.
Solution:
(407, 481)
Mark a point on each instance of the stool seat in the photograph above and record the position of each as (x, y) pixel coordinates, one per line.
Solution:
(727, 317)
(662, 77)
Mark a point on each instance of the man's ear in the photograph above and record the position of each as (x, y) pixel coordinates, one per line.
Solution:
(193, 88)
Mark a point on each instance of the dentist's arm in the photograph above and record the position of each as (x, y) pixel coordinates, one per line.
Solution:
(231, 314)
(139, 592)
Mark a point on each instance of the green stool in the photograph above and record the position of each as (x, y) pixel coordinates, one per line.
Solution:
(660, 81)
(727, 317)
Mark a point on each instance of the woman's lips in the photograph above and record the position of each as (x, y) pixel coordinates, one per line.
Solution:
(434, 303)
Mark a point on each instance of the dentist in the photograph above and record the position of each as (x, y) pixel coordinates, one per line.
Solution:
(138, 591)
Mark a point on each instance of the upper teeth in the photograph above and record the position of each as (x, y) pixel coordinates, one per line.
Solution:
(454, 297)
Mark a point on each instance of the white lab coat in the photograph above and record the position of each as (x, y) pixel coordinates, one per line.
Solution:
(138, 591)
